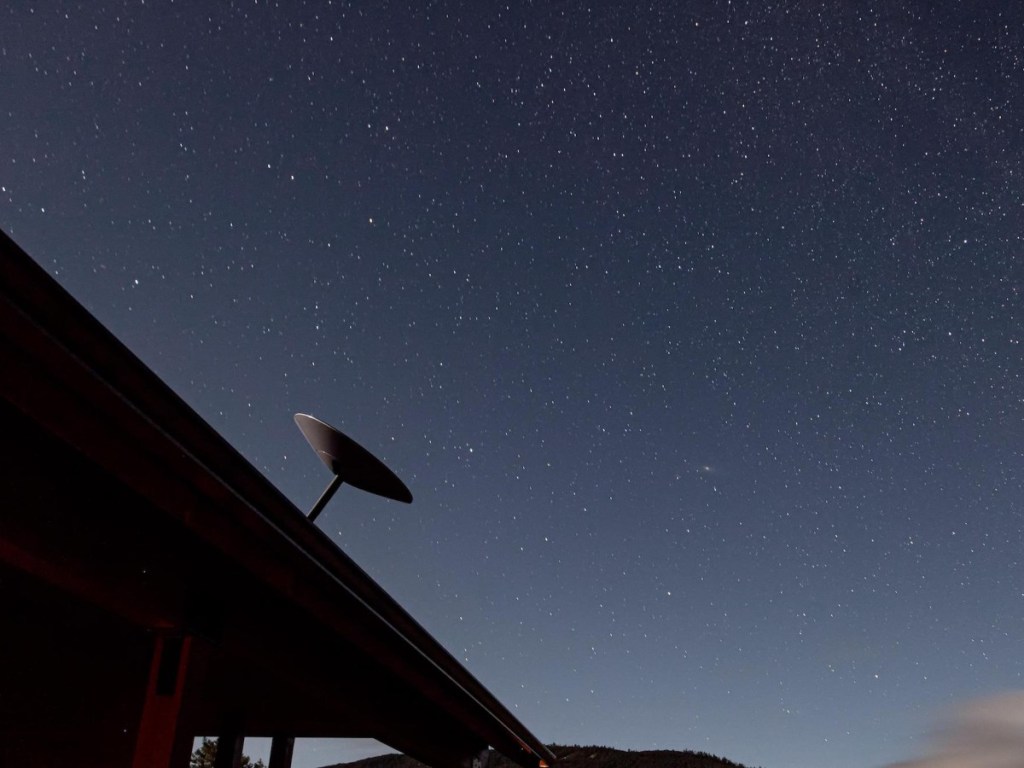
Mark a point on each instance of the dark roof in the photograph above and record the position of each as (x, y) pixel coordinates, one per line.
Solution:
(133, 517)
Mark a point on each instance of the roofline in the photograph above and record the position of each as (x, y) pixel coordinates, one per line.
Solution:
(39, 297)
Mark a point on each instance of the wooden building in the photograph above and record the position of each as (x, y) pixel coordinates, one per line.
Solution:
(155, 586)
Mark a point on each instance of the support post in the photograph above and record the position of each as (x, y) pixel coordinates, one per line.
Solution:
(160, 742)
(281, 750)
(229, 751)
(325, 497)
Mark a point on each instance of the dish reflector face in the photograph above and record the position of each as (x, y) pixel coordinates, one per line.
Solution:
(350, 461)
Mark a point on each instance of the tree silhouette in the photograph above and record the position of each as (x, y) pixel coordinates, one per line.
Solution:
(205, 756)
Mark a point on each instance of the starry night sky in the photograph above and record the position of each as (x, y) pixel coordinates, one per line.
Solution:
(694, 328)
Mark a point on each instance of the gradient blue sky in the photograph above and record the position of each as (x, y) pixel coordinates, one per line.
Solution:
(694, 328)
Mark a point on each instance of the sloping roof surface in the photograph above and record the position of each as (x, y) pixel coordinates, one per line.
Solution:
(125, 503)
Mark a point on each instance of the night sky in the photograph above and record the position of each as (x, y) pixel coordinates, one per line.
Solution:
(694, 328)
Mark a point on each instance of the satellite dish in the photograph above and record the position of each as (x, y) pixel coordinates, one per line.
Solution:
(349, 462)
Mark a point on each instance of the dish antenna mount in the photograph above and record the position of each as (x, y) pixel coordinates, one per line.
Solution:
(349, 462)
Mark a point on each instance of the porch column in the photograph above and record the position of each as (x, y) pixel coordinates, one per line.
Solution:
(160, 742)
(281, 749)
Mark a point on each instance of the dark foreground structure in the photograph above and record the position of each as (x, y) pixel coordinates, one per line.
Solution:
(155, 586)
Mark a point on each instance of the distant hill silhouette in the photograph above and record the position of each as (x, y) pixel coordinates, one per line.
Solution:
(576, 757)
